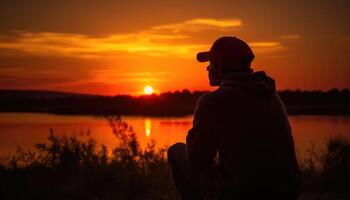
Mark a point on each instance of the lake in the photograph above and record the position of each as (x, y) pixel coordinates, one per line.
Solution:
(27, 129)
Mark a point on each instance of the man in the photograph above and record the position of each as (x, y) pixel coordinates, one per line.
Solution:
(240, 145)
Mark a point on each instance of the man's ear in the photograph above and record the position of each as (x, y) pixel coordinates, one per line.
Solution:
(219, 70)
(218, 74)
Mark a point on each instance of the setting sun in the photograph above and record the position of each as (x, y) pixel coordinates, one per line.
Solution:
(148, 89)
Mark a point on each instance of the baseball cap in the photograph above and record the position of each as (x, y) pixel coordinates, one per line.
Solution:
(228, 49)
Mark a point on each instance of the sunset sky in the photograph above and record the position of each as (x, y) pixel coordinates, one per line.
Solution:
(120, 46)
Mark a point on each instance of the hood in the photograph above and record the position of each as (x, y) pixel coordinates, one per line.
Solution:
(257, 83)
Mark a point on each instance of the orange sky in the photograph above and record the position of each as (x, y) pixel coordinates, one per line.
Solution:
(118, 47)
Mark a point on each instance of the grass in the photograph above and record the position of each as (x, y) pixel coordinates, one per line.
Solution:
(68, 168)
(328, 170)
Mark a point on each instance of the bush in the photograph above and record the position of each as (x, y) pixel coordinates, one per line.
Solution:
(328, 170)
(67, 168)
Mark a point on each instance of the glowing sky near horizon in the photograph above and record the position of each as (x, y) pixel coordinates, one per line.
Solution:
(119, 47)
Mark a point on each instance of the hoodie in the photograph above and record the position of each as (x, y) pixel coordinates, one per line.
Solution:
(245, 125)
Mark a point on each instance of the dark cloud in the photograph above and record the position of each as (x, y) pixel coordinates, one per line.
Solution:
(115, 16)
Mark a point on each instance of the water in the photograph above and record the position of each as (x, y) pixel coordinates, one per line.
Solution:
(27, 129)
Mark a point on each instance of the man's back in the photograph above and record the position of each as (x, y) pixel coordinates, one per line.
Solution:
(246, 122)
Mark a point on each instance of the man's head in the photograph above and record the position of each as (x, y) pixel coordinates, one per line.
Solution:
(228, 54)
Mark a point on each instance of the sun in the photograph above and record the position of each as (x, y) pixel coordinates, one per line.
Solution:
(148, 90)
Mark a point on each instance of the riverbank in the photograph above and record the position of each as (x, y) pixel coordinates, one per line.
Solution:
(179, 103)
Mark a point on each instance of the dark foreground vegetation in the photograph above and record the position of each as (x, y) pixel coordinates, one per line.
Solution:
(68, 168)
(170, 103)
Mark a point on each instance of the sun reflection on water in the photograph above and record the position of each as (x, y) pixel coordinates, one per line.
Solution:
(148, 127)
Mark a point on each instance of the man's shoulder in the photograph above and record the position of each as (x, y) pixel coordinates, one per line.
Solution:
(210, 97)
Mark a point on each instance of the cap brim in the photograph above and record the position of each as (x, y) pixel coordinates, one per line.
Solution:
(203, 56)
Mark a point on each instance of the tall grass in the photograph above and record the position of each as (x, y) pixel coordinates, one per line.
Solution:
(67, 168)
(328, 170)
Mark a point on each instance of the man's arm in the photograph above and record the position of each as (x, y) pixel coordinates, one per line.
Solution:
(202, 138)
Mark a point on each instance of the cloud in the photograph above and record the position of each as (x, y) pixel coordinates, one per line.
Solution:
(346, 39)
(163, 40)
(266, 47)
(155, 41)
(289, 37)
(141, 74)
(113, 76)
(199, 24)
(141, 80)
(10, 71)
(30, 81)
(264, 44)
(44, 43)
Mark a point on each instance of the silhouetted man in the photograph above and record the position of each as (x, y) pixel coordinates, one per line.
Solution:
(240, 145)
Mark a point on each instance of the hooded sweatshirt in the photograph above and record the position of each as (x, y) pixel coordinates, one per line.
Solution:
(245, 123)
